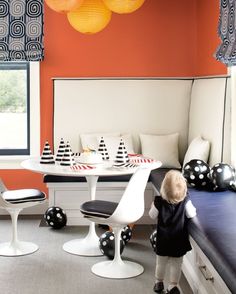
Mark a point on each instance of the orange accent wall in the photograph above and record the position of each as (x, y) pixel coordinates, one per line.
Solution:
(22, 179)
(153, 41)
(161, 39)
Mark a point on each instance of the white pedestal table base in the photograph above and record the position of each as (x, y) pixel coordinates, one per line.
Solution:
(88, 246)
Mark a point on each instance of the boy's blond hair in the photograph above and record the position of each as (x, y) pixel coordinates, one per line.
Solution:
(174, 187)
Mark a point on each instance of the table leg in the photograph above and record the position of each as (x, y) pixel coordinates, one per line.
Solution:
(88, 246)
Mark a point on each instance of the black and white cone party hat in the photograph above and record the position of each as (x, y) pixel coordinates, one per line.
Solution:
(68, 157)
(60, 151)
(102, 149)
(47, 156)
(122, 155)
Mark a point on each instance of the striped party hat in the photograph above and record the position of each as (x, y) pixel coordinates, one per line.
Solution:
(102, 149)
(122, 154)
(47, 156)
(68, 158)
(60, 151)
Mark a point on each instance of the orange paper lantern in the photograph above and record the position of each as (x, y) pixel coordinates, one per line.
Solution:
(91, 17)
(123, 6)
(64, 5)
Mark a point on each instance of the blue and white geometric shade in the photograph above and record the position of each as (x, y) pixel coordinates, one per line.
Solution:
(226, 51)
(21, 30)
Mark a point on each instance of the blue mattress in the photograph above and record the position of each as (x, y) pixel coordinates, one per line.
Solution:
(214, 230)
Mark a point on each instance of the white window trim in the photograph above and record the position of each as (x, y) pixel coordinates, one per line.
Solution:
(13, 162)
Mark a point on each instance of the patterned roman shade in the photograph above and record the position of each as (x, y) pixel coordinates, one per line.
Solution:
(21, 30)
(226, 52)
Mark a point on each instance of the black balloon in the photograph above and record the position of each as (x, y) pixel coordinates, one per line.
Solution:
(233, 186)
(196, 173)
(222, 176)
(126, 234)
(55, 217)
(107, 244)
(153, 239)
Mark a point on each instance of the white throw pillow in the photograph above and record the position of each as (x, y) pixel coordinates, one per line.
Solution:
(197, 149)
(161, 147)
(91, 140)
(112, 143)
(111, 140)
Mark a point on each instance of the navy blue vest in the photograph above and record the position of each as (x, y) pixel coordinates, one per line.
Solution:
(172, 228)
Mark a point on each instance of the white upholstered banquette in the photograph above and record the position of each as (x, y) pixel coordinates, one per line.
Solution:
(190, 107)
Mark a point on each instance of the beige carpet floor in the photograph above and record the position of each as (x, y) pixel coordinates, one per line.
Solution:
(51, 270)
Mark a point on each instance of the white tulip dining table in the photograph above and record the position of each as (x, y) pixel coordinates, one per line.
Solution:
(89, 245)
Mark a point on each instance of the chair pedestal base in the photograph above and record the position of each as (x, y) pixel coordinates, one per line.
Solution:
(17, 249)
(82, 247)
(117, 270)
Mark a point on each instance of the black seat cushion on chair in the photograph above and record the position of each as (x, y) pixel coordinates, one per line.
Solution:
(23, 195)
(98, 208)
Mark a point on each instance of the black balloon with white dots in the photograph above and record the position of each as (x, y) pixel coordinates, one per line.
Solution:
(55, 217)
(196, 173)
(222, 176)
(126, 234)
(107, 244)
(153, 239)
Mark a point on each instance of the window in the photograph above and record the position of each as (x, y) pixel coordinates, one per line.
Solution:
(14, 108)
(19, 112)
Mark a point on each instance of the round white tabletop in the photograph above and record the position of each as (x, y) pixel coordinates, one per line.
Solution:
(103, 169)
(89, 246)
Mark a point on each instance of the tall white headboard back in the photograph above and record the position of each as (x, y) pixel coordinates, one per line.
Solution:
(152, 106)
(210, 116)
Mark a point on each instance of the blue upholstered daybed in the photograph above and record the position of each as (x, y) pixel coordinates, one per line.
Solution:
(214, 228)
(214, 231)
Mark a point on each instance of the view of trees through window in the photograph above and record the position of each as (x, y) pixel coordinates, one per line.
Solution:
(13, 109)
(13, 91)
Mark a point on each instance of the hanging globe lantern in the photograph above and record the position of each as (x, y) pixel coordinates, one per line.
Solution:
(123, 6)
(91, 17)
(64, 5)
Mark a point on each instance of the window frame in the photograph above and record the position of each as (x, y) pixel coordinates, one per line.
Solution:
(10, 161)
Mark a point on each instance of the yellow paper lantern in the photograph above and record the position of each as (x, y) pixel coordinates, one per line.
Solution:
(64, 5)
(91, 17)
(123, 6)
